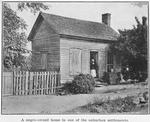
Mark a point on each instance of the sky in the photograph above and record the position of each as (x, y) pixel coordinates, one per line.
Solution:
(122, 13)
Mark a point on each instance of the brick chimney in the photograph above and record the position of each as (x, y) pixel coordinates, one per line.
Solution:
(106, 18)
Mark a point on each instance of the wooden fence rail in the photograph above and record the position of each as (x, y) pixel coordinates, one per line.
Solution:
(34, 83)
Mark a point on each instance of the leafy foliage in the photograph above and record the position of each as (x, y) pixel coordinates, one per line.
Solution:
(119, 105)
(81, 84)
(34, 7)
(14, 37)
(132, 45)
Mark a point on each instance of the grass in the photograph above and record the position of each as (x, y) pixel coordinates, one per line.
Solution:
(119, 105)
(114, 90)
(107, 106)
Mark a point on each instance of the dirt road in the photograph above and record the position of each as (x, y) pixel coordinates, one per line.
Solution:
(50, 104)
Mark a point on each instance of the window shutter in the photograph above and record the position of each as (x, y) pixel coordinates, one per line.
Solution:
(44, 61)
(71, 61)
(75, 61)
(78, 61)
(36, 60)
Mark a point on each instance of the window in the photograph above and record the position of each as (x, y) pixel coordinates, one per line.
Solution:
(43, 60)
(75, 61)
(110, 62)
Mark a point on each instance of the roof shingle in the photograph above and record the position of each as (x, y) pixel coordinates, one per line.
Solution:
(80, 28)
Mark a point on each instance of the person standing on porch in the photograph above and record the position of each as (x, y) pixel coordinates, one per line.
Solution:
(93, 68)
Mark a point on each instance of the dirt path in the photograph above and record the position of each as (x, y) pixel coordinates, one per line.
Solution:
(50, 104)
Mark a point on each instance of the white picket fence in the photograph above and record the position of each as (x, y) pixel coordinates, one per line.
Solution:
(32, 83)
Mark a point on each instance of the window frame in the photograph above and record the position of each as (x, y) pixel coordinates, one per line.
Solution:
(110, 62)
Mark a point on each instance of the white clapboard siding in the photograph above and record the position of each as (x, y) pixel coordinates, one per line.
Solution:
(85, 47)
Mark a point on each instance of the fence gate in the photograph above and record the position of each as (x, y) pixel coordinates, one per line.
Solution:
(7, 83)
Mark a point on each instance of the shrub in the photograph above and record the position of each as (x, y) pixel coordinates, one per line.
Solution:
(106, 78)
(81, 84)
(142, 76)
(119, 105)
(68, 87)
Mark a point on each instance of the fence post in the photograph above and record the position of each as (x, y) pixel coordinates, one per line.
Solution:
(20, 79)
(14, 83)
(17, 83)
(50, 82)
(55, 85)
(47, 80)
(36, 80)
(58, 81)
(31, 82)
(41, 82)
(44, 81)
(38, 83)
(26, 87)
(23, 82)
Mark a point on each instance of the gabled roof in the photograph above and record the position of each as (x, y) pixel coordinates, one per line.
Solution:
(78, 28)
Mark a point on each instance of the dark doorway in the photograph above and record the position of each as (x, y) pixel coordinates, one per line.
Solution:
(94, 63)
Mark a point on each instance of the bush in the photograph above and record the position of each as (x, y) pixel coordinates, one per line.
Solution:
(68, 88)
(142, 76)
(106, 78)
(106, 105)
(119, 105)
(81, 84)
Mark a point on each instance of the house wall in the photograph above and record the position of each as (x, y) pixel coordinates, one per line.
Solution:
(46, 41)
(86, 47)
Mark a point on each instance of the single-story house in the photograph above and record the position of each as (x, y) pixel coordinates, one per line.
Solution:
(73, 46)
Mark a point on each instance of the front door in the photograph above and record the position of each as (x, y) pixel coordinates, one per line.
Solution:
(94, 63)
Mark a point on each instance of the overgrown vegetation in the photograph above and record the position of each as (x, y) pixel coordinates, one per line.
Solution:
(119, 105)
(132, 46)
(81, 84)
(14, 36)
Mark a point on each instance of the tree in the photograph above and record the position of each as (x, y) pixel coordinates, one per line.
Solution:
(132, 45)
(33, 7)
(14, 37)
(140, 3)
